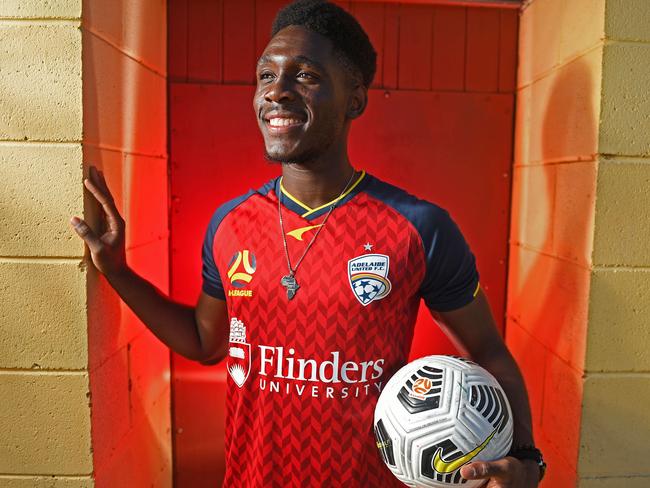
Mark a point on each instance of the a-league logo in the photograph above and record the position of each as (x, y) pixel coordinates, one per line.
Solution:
(241, 268)
(239, 353)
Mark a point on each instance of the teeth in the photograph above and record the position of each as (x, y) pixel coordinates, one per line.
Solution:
(280, 122)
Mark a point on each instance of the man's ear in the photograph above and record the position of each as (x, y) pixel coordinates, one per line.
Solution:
(357, 101)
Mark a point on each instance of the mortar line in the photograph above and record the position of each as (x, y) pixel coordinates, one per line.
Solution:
(579, 158)
(546, 348)
(48, 476)
(559, 66)
(42, 259)
(617, 374)
(610, 42)
(41, 21)
(50, 372)
(108, 147)
(616, 267)
(131, 56)
(10, 142)
(616, 158)
(614, 477)
(549, 255)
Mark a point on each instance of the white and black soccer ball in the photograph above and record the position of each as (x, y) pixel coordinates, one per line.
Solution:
(437, 414)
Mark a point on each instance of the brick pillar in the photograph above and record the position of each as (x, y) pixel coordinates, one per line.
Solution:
(615, 425)
(84, 385)
(579, 287)
(44, 384)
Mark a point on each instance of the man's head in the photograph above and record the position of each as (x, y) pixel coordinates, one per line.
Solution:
(314, 73)
(351, 45)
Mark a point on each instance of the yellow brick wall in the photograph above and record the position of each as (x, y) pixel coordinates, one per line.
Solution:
(556, 164)
(84, 385)
(615, 420)
(125, 135)
(45, 413)
(579, 274)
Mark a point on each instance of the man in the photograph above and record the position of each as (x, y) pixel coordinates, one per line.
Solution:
(311, 284)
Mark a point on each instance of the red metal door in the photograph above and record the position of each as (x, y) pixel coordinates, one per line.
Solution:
(439, 123)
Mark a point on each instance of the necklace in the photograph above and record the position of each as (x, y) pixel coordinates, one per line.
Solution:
(289, 280)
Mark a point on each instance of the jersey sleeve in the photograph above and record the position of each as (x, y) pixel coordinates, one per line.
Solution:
(451, 278)
(212, 284)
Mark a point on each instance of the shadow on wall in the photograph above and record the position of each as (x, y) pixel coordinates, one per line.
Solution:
(551, 242)
(124, 135)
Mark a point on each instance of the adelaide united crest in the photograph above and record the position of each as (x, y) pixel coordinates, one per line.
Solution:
(239, 353)
(368, 276)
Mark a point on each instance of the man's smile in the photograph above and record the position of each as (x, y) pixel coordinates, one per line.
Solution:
(281, 126)
(282, 122)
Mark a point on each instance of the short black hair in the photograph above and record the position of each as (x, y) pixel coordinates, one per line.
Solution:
(351, 43)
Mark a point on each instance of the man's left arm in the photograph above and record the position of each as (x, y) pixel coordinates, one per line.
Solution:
(474, 329)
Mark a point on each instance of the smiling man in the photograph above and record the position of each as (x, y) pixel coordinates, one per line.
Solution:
(312, 283)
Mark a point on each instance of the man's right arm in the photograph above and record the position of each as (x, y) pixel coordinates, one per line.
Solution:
(199, 333)
(213, 327)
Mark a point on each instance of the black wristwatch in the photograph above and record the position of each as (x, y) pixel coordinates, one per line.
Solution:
(529, 451)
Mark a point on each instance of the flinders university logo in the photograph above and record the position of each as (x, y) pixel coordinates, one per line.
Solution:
(368, 275)
(239, 353)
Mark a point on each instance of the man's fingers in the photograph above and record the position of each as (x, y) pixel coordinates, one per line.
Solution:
(113, 217)
(100, 182)
(85, 232)
(98, 193)
(500, 469)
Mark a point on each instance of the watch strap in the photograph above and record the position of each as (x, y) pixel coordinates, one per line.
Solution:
(529, 451)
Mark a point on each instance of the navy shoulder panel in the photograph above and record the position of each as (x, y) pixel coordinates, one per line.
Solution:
(226, 207)
(451, 277)
(212, 283)
(421, 213)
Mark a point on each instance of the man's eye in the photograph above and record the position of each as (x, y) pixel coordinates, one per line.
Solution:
(264, 76)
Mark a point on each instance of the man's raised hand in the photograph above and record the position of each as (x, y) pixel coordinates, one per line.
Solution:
(107, 251)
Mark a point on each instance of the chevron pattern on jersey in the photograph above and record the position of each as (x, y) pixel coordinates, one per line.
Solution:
(288, 432)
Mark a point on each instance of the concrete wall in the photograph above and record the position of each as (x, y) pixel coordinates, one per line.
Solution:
(578, 276)
(84, 386)
(45, 415)
(125, 135)
(555, 168)
(615, 420)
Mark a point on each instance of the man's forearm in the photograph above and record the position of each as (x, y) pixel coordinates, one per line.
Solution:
(173, 323)
(504, 368)
(475, 330)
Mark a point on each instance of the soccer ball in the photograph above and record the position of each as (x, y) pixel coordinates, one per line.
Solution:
(438, 413)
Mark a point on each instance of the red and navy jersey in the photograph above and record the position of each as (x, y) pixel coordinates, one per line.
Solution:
(305, 373)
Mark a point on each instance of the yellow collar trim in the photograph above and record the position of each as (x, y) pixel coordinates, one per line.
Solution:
(310, 210)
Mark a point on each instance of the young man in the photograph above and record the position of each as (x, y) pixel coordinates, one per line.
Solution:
(311, 284)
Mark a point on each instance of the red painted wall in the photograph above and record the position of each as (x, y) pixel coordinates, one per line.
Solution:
(439, 123)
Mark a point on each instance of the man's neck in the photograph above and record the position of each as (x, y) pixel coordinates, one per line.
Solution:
(316, 184)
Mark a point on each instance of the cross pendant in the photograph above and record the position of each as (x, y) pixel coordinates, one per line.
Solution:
(290, 283)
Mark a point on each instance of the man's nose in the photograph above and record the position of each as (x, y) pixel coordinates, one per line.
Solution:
(280, 88)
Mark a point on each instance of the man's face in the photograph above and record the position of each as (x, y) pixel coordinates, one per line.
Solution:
(301, 96)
